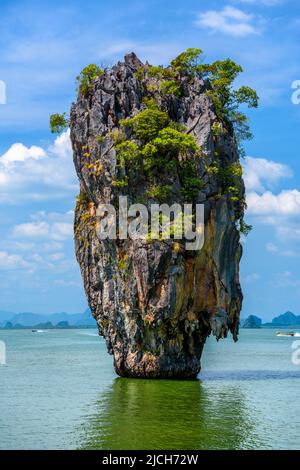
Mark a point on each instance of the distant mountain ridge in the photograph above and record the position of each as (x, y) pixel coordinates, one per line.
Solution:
(69, 320)
(29, 319)
(286, 320)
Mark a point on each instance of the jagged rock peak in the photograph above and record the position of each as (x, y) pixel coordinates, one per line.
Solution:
(133, 61)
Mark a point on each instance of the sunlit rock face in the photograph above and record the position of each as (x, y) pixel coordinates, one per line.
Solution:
(155, 306)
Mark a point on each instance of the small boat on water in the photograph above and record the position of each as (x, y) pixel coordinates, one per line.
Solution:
(34, 331)
(289, 333)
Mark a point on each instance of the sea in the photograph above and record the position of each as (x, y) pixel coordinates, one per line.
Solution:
(58, 390)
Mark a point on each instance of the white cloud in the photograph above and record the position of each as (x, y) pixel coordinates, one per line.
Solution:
(61, 231)
(12, 261)
(56, 231)
(18, 152)
(41, 244)
(50, 226)
(281, 210)
(56, 256)
(286, 203)
(229, 20)
(32, 173)
(260, 173)
(32, 230)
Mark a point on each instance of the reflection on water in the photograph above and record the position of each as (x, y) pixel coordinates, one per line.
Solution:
(151, 414)
(250, 375)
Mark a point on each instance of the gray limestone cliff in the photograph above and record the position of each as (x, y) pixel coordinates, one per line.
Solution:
(154, 305)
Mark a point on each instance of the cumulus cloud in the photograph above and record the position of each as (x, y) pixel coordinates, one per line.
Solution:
(20, 153)
(229, 20)
(280, 210)
(260, 174)
(33, 173)
(31, 230)
(41, 244)
(285, 203)
(52, 226)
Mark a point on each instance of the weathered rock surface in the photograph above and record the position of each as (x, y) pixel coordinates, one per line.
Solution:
(155, 307)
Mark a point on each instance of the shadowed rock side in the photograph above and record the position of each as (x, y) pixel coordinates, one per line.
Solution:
(155, 306)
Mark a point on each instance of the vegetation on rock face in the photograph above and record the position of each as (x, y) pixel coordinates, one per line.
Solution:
(170, 87)
(220, 75)
(60, 122)
(86, 79)
(245, 229)
(160, 143)
(160, 139)
(146, 124)
(187, 62)
(82, 199)
(151, 141)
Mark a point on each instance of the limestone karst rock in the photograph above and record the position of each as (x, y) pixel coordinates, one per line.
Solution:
(154, 305)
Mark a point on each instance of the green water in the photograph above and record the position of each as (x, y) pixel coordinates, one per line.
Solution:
(58, 391)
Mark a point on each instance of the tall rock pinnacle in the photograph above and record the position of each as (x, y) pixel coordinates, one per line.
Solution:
(154, 301)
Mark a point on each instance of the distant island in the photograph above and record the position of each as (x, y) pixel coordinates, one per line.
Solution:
(252, 322)
(286, 320)
(39, 321)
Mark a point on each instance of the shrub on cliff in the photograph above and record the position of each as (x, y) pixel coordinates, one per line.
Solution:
(86, 78)
(58, 123)
(159, 143)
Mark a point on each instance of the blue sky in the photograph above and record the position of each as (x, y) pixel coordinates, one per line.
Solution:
(43, 48)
